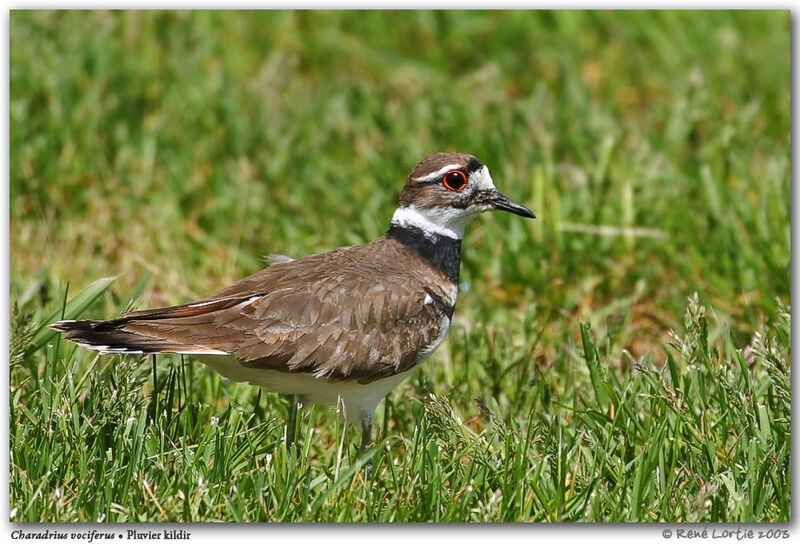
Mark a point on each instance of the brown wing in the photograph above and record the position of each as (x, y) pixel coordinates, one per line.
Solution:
(335, 315)
(350, 330)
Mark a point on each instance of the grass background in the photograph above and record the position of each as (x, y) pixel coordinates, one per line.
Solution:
(582, 378)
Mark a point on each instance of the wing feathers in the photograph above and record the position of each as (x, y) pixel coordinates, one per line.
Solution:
(330, 314)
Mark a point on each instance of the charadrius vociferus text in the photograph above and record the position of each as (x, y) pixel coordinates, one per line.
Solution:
(348, 324)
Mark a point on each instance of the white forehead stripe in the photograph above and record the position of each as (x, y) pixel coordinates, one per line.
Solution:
(410, 216)
(483, 179)
(439, 172)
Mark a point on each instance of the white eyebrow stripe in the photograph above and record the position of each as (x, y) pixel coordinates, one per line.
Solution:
(439, 172)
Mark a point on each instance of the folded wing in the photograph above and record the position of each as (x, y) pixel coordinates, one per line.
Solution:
(341, 326)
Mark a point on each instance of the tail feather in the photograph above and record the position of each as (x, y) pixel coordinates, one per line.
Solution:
(110, 337)
(150, 331)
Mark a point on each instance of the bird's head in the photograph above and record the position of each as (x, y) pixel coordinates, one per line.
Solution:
(446, 190)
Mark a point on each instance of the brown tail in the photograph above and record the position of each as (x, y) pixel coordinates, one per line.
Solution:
(107, 336)
(115, 336)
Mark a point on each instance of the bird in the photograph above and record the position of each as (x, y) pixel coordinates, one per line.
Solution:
(343, 326)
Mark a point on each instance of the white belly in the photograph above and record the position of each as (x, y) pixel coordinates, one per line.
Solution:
(358, 398)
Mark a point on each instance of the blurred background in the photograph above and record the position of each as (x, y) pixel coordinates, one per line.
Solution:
(175, 150)
(653, 147)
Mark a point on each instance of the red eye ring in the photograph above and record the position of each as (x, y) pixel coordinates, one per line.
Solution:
(454, 180)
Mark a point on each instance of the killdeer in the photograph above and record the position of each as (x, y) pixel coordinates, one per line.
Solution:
(349, 324)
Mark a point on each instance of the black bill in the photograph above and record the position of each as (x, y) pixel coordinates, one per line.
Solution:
(501, 202)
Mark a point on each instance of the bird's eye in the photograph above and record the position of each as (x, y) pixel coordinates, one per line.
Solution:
(455, 180)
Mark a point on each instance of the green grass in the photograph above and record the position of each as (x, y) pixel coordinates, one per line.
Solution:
(626, 357)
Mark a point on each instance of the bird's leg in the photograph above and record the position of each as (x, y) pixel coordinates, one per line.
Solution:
(291, 425)
(366, 438)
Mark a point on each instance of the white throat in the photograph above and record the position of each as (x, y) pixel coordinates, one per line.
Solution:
(444, 221)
